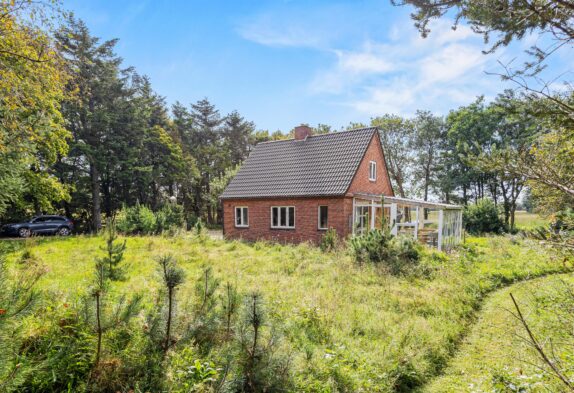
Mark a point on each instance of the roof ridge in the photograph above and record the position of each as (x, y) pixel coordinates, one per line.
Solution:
(322, 135)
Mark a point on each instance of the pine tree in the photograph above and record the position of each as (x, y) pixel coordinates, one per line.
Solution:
(173, 276)
(114, 252)
(95, 85)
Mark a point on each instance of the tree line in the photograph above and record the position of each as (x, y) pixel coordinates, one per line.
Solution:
(438, 157)
(83, 135)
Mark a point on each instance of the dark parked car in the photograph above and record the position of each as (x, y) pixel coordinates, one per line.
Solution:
(58, 225)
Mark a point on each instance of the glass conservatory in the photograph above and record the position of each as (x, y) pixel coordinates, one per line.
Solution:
(435, 224)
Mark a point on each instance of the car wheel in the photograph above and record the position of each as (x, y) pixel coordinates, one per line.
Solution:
(24, 232)
(64, 231)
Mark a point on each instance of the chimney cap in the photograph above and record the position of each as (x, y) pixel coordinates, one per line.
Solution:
(302, 132)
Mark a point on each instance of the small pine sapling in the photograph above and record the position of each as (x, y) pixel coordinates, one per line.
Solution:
(199, 228)
(230, 302)
(114, 252)
(206, 318)
(107, 318)
(173, 276)
(260, 365)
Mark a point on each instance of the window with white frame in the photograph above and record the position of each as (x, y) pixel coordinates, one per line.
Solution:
(283, 217)
(241, 217)
(362, 219)
(372, 171)
(323, 217)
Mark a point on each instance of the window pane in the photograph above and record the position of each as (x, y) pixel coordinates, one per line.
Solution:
(283, 219)
(245, 217)
(237, 217)
(323, 211)
(291, 216)
(275, 216)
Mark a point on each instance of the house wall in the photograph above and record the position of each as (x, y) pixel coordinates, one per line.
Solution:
(361, 182)
(307, 209)
(306, 219)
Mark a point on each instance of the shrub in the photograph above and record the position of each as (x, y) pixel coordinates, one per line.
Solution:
(170, 217)
(482, 217)
(329, 241)
(563, 220)
(397, 253)
(189, 374)
(62, 352)
(136, 220)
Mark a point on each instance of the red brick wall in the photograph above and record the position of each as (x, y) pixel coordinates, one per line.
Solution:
(361, 182)
(306, 219)
(307, 209)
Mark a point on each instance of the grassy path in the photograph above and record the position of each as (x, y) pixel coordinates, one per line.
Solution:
(493, 357)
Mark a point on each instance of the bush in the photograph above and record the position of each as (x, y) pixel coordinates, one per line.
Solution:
(563, 221)
(329, 241)
(136, 220)
(482, 218)
(170, 217)
(397, 253)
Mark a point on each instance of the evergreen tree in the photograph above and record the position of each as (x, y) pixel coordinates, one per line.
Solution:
(238, 137)
(90, 114)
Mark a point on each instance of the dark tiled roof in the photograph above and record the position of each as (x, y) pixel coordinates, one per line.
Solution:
(321, 165)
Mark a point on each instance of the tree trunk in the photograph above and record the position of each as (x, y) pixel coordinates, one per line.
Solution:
(99, 328)
(96, 199)
(169, 314)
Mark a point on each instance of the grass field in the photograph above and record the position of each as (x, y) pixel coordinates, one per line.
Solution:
(347, 327)
(525, 220)
(495, 356)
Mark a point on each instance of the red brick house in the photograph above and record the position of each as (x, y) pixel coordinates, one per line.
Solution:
(294, 190)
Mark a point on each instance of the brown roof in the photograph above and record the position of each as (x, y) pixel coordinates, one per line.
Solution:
(321, 165)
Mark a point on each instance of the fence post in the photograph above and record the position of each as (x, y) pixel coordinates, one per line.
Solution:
(440, 225)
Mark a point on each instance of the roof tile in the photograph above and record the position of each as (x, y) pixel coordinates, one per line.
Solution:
(321, 165)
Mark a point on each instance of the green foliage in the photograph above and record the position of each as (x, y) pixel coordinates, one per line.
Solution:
(18, 298)
(199, 228)
(396, 137)
(136, 220)
(259, 366)
(173, 276)
(563, 220)
(61, 352)
(206, 318)
(170, 218)
(230, 302)
(482, 217)
(334, 316)
(395, 253)
(114, 249)
(191, 374)
(329, 241)
(32, 85)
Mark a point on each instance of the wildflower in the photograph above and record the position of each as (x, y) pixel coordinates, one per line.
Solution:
(2, 311)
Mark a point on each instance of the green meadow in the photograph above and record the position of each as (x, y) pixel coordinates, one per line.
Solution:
(344, 326)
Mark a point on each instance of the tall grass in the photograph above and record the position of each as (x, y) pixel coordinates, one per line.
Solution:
(345, 327)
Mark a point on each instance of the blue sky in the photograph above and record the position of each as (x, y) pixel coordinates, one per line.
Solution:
(282, 63)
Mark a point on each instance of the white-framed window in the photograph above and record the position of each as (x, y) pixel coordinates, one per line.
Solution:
(241, 217)
(372, 170)
(323, 219)
(362, 219)
(283, 217)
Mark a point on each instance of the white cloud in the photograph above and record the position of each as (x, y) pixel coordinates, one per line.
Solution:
(390, 70)
(288, 36)
(438, 73)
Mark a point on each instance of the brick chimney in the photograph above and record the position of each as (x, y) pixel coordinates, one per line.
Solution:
(302, 132)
